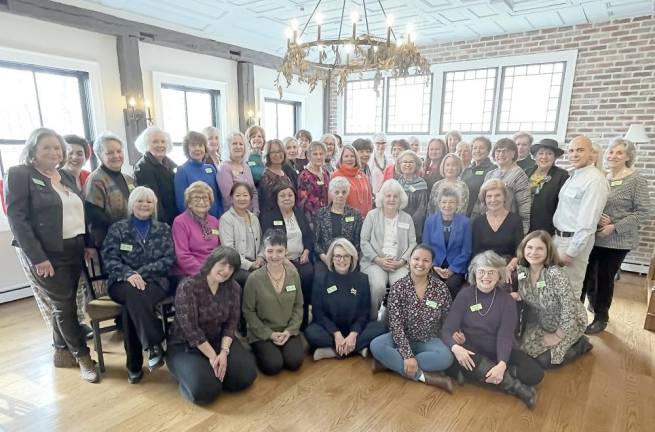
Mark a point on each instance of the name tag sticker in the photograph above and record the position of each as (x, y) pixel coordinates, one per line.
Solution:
(522, 276)
(350, 219)
(412, 189)
(541, 284)
(209, 170)
(278, 223)
(252, 163)
(290, 288)
(214, 231)
(130, 187)
(431, 304)
(38, 181)
(353, 291)
(126, 247)
(476, 307)
(479, 172)
(616, 183)
(403, 225)
(331, 289)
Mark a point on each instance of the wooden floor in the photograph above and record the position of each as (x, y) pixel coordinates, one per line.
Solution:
(611, 389)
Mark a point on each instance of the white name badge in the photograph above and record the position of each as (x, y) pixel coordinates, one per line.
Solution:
(209, 170)
(522, 276)
(290, 288)
(331, 289)
(252, 163)
(126, 247)
(431, 304)
(403, 225)
(278, 223)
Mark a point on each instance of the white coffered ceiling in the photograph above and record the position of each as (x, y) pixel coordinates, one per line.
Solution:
(260, 24)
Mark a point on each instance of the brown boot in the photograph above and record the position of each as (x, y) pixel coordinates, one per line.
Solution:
(376, 366)
(439, 379)
(88, 369)
(62, 358)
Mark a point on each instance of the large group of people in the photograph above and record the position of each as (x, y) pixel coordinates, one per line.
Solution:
(470, 262)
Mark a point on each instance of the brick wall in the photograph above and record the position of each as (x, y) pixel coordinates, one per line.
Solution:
(614, 85)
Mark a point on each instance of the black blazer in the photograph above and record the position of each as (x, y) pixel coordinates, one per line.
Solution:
(34, 210)
(274, 219)
(161, 179)
(545, 202)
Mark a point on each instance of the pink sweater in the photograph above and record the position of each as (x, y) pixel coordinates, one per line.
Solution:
(191, 250)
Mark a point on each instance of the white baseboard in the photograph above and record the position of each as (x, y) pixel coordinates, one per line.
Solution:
(15, 294)
(641, 269)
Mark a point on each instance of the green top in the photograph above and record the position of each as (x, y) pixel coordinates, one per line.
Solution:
(266, 311)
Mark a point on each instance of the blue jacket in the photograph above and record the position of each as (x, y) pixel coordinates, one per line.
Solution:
(191, 171)
(458, 252)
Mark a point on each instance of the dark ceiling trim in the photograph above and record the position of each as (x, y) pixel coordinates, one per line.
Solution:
(98, 22)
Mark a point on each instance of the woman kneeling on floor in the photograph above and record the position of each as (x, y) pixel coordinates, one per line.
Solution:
(555, 318)
(479, 330)
(273, 308)
(203, 355)
(341, 305)
(417, 305)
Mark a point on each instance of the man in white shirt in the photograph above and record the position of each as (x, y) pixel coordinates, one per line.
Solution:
(378, 162)
(581, 202)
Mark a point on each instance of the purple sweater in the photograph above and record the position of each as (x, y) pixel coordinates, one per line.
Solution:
(491, 335)
(191, 250)
(226, 180)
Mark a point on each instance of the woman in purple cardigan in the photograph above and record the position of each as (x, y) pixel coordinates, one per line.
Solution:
(195, 231)
(234, 170)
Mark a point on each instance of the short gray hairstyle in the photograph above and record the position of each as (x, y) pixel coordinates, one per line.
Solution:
(313, 145)
(29, 149)
(391, 185)
(487, 259)
(99, 142)
(349, 248)
(448, 192)
(138, 193)
(339, 181)
(520, 134)
(211, 129)
(630, 149)
(246, 146)
(142, 142)
(287, 140)
(329, 135)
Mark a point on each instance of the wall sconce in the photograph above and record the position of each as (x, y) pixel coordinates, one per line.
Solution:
(148, 113)
(252, 119)
(136, 114)
(131, 108)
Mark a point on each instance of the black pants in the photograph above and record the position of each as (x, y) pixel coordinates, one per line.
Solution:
(454, 283)
(306, 273)
(319, 337)
(195, 375)
(598, 286)
(271, 359)
(141, 328)
(61, 289)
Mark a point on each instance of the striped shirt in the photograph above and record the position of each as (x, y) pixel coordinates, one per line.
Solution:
(519, 197)
(628, 206)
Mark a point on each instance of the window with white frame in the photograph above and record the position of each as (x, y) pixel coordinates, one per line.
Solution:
(280, 118)
(468, 100)
(187, 109)
(408, 105)
(36, 96)
(363, 107)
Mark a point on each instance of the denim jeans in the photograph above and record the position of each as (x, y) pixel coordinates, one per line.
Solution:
(432, 355)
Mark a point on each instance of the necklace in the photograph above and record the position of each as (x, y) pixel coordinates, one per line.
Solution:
(277, 282)
(490, 304)
(384, 164)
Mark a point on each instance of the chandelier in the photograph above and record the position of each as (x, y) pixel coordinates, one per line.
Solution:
(351, 52)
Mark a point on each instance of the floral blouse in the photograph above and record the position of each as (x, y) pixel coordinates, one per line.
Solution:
(312, 192)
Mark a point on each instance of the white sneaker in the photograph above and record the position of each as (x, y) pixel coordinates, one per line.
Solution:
(324, 353)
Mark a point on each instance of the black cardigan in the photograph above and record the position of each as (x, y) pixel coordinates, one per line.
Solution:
(34, 210)
(545, 202)
(161, 179)
(274, 219)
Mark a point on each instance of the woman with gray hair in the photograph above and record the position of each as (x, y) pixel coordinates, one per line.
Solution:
(387, 240)
(331, 151)
(51, 247)
(214, 149)
(107, 188)
(408, 169)
(138, 254)
(341, 307)
(479, 330)
(627, 208)
(313, 182)
(156, 171)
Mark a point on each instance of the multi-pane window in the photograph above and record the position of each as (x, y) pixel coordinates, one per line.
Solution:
(33, 97)
(363, 107)
(187, 109)
(408, 106)
(468, 100)
(530, 97)
(280, 118)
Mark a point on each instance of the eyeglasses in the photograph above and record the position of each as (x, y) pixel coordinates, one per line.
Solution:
(341, 257)
(482, 273)
(409, 162)
(198, 199)
(502, 151)
(276, 152)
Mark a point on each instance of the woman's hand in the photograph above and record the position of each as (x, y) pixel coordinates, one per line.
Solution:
(398, 264)
(496, 373)
(606, 230)
(45, 269)
(137, 281)
(463, 357)
(304, 258)
(604, 220)
(90, 254)
(277, 338)
(459, 337)
(258, 263)
(551, 339)
(516, 296)
(411, 366)
(220, 367)
(508, 274)
(350, 342)
(339, 343)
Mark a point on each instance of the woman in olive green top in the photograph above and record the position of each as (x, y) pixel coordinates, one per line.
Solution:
(272, 307)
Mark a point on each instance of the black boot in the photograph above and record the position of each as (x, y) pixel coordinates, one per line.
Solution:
(582, 346)
(544, 359)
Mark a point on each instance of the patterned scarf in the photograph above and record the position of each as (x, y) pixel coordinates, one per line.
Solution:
(204, 226)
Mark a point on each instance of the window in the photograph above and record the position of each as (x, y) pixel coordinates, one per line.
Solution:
(408, 107)
(34, 96)
(187, 109)
(280, 118)
(468, 100)
(530, 97)
(363, 107)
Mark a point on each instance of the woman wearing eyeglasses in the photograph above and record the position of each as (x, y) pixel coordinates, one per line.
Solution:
(277, 172)
(479, 330)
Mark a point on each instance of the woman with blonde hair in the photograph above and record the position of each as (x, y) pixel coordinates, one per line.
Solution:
(235, 170)
(256, 138)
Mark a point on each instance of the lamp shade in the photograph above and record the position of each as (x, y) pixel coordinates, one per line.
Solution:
(637, 134)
